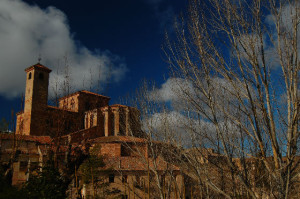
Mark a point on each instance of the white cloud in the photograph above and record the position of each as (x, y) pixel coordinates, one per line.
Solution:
(180, 91)
(171, 90)
(27, 31)
(183, 97)
(169, 126)
(251, 42)
(187, 130)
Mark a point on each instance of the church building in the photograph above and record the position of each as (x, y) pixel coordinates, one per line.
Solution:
(83, 120)
(77, 111)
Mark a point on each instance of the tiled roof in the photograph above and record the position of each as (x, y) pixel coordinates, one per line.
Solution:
(82, 135)
(137, 164)
(84, 92)
(60, 109)
(202, 151)
(118, 105)
(39, 66)
(39, 139)
(117, 139)
(91, 93)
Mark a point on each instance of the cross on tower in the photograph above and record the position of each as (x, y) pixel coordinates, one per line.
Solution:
(39, 59)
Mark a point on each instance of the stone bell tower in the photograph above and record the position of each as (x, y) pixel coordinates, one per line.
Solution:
(36, 98)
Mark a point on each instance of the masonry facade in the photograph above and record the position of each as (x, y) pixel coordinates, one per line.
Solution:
(83, 120)
(75, 112)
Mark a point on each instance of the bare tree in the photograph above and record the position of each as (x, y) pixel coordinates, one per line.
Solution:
(154, 151)
(236, 66)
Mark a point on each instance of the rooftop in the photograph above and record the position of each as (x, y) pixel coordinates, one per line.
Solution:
(137, 163)
(85, 93)
(118, 139)
(38, 66)
(40, 139)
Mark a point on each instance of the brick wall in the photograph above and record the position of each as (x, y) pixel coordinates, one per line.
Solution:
(111, 149)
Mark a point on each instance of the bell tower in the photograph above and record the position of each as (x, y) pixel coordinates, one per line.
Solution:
(36, 98)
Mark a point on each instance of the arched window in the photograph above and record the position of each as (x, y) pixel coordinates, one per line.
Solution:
(29, 76)
(111, 178)
(41, 76)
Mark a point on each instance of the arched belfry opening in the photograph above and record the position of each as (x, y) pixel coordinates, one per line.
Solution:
(41, 76)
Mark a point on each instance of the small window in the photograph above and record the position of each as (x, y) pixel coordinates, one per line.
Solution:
(41, 76)
(111, 178)
(125, 151)
(29, 76)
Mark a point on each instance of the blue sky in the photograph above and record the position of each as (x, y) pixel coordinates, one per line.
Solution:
(117, 40)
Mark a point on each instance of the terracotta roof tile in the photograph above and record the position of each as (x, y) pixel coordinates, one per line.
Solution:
(91, 93)
(136, 163)
(40, 139)
(118, 105)
(61, 109)
(84, 92)
(39, 66)
(117, 139)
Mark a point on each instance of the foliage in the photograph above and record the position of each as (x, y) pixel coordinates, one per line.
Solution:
(90, 166)
(7, 191)
(90, 171)
(47, 184)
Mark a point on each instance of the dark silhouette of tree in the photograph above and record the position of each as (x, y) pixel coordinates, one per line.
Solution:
(7, 191)
(47, 184)
(4, 125)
